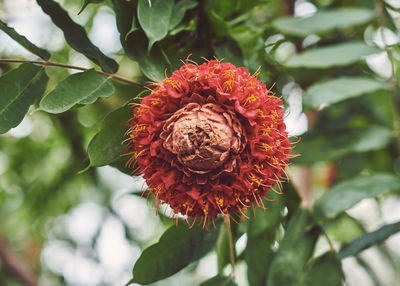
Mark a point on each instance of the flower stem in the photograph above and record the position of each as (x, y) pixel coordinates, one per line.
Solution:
(48, 63)
(231, 250)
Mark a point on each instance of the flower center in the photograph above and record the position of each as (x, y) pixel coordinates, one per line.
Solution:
(201, 136)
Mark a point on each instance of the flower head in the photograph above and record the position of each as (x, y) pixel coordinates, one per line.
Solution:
(210, 139)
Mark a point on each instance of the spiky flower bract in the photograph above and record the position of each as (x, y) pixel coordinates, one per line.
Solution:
(210, 139)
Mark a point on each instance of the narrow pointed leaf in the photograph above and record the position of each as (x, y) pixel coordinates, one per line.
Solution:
(177, 247)
(324, 270)
(20, 88)
(155, 20)
(106, 146)
(24, 41)
(294, 251)
(346, 194)
(324, 21)
(261, 235)
(369, 239)
(219, 281)
(75, 35)
(334, 55)
(80, 88)
(339, 89)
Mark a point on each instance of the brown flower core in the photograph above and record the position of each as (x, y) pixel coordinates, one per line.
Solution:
(202, 136)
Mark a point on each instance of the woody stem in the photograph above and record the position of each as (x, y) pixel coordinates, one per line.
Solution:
(231, 250)
(48, 63)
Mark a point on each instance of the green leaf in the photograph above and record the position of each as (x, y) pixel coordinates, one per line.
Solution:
(177, 247)
(294, 251)
(219, 281)
(217, 23)
(125, 16)
(134, 42)
(154, 65)
(75, 35)
(339, 89)
(334, 55)
(324, 21)
(133, 28)
(261, 234)
(19, 88)
(80, 88)
(346, 194)
(324, 270)
(179, 11)
(343, 228)
(331, 145)
(155, 20)
(369, 239)
(247, 39)
(24, 42)
(224, 8)
(230, 51)
(106, 146)
(87, 2)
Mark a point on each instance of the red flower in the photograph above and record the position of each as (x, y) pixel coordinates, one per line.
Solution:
(210, 139)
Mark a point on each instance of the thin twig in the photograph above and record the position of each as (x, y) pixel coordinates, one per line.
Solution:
(48, 63)
(393, 82)
(231, 250)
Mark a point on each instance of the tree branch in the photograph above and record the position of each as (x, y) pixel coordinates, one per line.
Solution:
(15, 267)
(47, 63)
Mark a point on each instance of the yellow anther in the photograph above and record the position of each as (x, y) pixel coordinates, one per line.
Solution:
(157, 101)
(219, 201)
(267, 148)
(205, 209)
(252, 98)
(259, 167)
(229, 74)
(228, 84)
(172, 83)
(275, 161)
(256, 180)
(265, 131)
(209, 74)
